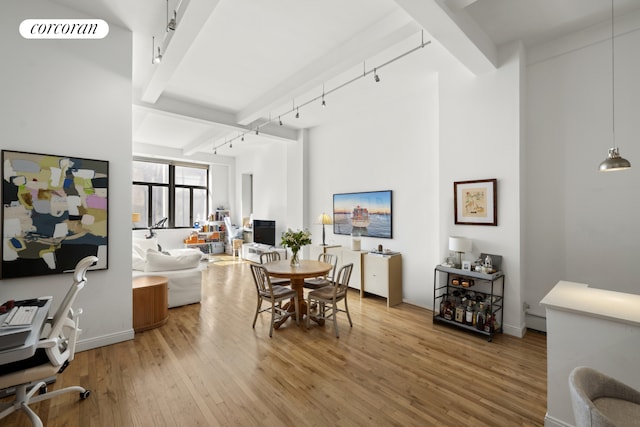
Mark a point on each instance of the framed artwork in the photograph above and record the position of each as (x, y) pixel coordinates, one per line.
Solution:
(475, 202)
(466, 265)
(365, 214)
(54, 213)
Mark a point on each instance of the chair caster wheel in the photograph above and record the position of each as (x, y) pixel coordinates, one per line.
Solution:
(85, 394)
(43, 389)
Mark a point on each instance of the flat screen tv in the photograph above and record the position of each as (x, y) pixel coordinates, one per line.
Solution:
(264, 232)
(365, 213)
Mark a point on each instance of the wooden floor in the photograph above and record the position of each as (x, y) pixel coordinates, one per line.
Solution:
(208, 367)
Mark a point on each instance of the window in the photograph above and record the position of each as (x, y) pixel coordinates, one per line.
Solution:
(178, 192)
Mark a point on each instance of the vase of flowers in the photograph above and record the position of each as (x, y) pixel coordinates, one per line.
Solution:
(295, 240)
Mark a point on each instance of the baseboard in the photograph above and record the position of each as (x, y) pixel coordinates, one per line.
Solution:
(536, 322)
(514, 330)
(103, 340)
(549, 421)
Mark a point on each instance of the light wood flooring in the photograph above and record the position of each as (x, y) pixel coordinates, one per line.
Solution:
(208, 367)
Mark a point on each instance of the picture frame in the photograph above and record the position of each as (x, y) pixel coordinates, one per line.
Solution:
(476, 202)
(466, 265)
(55, 212)
(367, 214)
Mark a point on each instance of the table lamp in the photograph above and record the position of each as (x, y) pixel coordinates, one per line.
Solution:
(459, 245)
(324, 219)
(135, 217)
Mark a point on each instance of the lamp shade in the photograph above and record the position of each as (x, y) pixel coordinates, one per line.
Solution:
(135, 217)
(459, 244)
(325, 219)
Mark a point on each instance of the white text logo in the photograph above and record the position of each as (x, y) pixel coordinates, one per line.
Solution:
(64, 28)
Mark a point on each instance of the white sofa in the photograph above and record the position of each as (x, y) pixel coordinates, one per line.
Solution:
(183, 268)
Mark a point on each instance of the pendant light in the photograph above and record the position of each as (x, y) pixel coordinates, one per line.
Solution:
(613, 162)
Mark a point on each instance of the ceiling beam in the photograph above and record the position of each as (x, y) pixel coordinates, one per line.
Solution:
(209, 116)
(381, 35)
(456, 32)
(191, 19)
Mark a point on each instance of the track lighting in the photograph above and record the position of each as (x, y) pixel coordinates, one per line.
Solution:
(155, 59)
(321, 97)
(171, 24)
(215, 151)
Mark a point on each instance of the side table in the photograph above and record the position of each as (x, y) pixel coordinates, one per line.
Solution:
(150, 302)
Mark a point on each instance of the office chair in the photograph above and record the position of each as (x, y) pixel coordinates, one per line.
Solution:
(328, 297)
(53, 355)
(275, 294)
(602, 401)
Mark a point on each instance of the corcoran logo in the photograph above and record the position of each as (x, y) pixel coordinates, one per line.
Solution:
(64, 28)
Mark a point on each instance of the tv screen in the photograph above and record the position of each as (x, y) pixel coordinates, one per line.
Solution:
(264, 232)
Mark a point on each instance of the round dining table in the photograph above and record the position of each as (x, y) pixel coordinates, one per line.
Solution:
(297, 274)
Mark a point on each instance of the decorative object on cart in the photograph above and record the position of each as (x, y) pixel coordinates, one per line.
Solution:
(295, 240)
(324, 219)
(55, 213)
(366, 213)
(466, 265)
(459, 245)
(614, 161)
(476, 202)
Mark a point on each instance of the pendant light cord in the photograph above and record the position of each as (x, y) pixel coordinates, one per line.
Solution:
(613, 80)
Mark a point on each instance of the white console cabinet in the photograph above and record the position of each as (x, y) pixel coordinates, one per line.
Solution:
(382, 276)
(373, 273)
(252, 251)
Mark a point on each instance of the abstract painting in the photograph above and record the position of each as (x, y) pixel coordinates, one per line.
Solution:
(364, 214)
(55, 212)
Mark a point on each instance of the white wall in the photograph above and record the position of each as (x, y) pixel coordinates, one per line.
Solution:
(583, 224)
(74, 98)
(268, 164)
(480, 139)
(387, 140)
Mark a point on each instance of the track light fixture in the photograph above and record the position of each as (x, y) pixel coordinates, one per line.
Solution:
(321, 97)
(171, 23)
(155, 59)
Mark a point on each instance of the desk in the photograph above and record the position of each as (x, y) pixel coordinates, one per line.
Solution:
(307, 268)
(28, 349)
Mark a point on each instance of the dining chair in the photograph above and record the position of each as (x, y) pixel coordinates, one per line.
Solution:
(328, 297)
(273, 256)
(275, 294)
(327, 279)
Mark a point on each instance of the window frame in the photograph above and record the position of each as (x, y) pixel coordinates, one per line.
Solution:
(171, 185)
